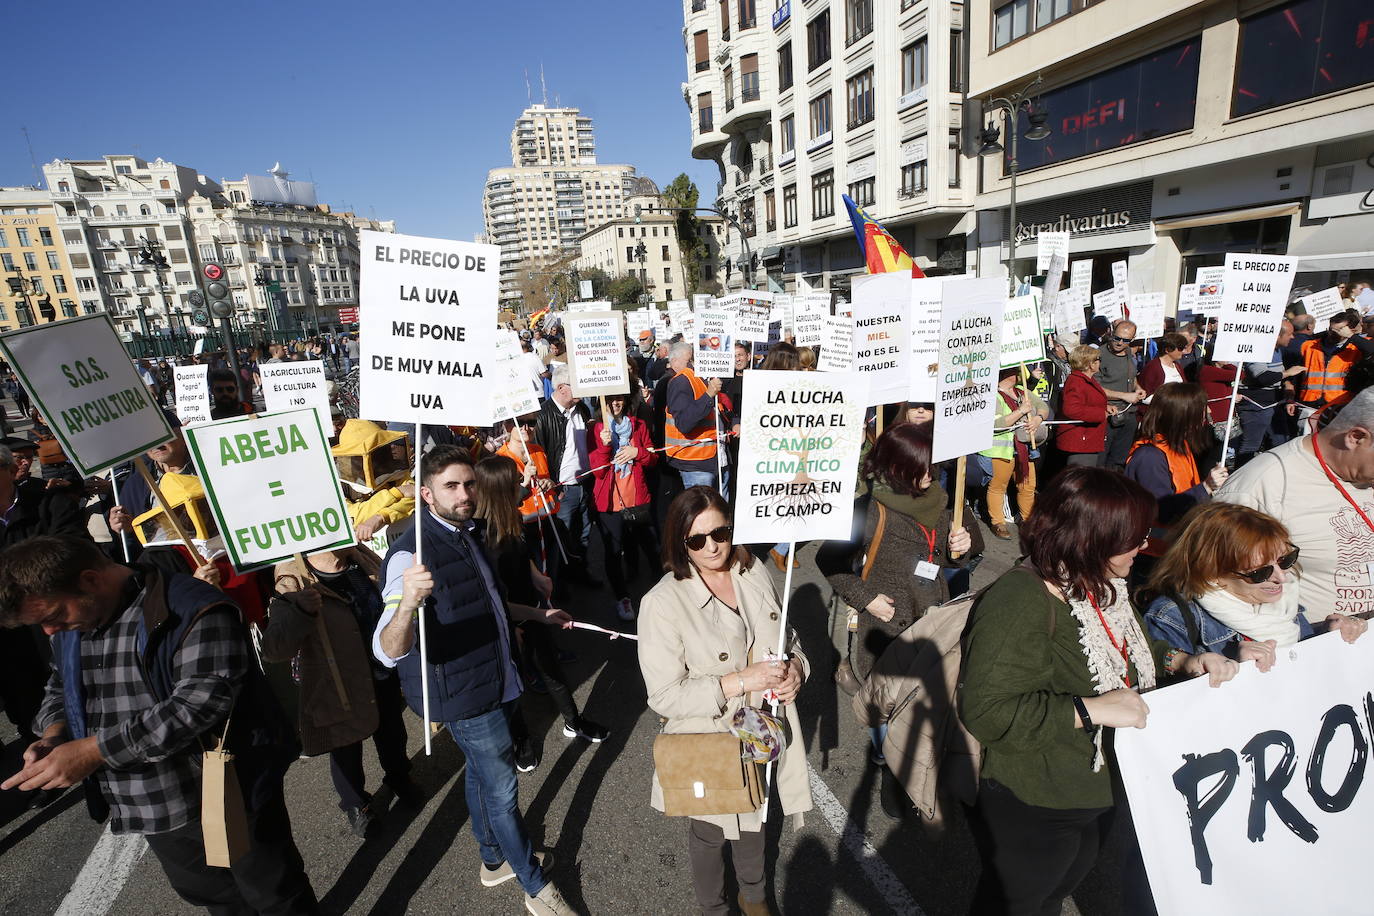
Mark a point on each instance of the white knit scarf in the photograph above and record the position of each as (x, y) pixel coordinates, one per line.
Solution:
(1105, 663)
(1276, 620)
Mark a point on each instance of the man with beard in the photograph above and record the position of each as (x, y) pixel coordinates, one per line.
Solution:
(224, 396)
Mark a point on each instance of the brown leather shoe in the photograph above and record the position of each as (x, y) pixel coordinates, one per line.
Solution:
(753, 907)
(845, 677)
(780, 561)
(1001, 531)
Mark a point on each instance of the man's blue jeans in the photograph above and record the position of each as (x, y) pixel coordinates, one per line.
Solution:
(490, 788)
(574, 511)
(698, 479)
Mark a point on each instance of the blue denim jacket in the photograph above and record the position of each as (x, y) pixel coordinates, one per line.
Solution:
(1164, 620)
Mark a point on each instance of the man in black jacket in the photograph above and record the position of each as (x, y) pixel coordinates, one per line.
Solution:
(561, 430)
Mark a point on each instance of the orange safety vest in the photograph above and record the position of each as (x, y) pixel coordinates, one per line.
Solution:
(533, 507)
(1325, 379)
(687, 447)
(1183, 472)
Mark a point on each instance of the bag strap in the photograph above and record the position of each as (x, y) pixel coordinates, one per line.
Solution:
(877, 540)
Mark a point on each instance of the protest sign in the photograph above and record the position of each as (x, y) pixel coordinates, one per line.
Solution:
(681, 316)
(751, 309)
(272, 486)
(1209, 290)
(591, 305)
(1081, 278)
(1049, 298)
(799, 443)
(513, 393)
(713, 347)
(288, 386)
(817, 300)
(193, 394)
(507, 344)
(1022, 339)
(659, 325)
(970, 341)
(82, 382)
(1244, 796)
(924, 323)
(699, 301)
(428, 328)
(638, 321)
(810, 328)
(1254, 291)
(1321, 306)
(1121, 280)
(1187, 301)
(1108, 304)
(781, 310)
(1050, 244)
(584, 289)
(1071, 315)
(596, 354)
(837, 346)
(882, 343)
(1147, 311)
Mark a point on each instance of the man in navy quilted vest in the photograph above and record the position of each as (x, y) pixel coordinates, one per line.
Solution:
(473, 682)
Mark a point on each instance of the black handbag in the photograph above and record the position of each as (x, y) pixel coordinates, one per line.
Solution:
(838, 557)
(631, 516)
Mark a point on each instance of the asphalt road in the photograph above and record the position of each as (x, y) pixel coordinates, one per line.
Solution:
(588, 803)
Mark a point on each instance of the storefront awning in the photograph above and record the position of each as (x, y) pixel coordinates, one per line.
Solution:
(1227, 216)
(1341, 243)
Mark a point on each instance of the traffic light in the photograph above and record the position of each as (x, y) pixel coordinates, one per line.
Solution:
(217, 291)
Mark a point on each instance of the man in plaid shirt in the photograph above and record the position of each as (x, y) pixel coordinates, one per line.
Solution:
(145, 673)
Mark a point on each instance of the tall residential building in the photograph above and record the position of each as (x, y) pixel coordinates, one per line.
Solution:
(36, 280)
(824, 98)
(538, 208)
(1180, 131)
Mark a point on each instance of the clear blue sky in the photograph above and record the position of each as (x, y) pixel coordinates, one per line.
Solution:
(394, 109)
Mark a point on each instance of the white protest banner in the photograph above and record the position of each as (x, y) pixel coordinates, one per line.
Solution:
(427, 328)
(1023, 341)
(596, 354)
(193, 394)
(970, 340)
(1109, 304)
(810, 328)
(1244, 796)
(882, 343)
(799, 443)
(1071, 315)
(680, 314)
(659, 325)
(699, 301)
(1209, 290)
(288, 386)
(1121, 280)
(1147, 311)
(507, 344)
(1049, 298)
(1081, 278)
(817, 301)
(1321, 306)
(1254, 292)
(713, 346)
(512, 390)
(272, 486)
(590, 305)
(751, 309)
(781, 310)
(837, 346)
(638, 321)
(1048, 245)
(83, 383)
(584, 289)
(924, 324)
(1187, 301)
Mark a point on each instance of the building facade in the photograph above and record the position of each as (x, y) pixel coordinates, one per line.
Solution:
(1181, 130)
(821, 99)
(538, 208)
(36, 280)
(644, 243)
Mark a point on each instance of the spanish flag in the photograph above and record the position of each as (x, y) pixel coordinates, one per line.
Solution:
(535, 318)
(881, 251)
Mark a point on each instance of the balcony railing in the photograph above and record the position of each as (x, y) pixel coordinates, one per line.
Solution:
(771, 225)
(860, 121)
(747, 22)
(703, 65)
(698, 5)
(750, 94)
(729, 103)
(705, 120)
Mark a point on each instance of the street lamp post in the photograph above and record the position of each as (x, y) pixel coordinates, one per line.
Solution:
(150, 255)
(642, 255)
(22, 286)
(262, 281)
(744, 239)
(1010, 107)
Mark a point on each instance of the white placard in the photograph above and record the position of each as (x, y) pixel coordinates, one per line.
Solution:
(291, 386)
(1081, 278)
(1216, 842)
(193, 394)
(810, 328)
(882, 344)
(751, 309)
(1254, 292)
(1108, 304)
(970, 344)
(1209, 290)
(1071, 314)
(1187, 299)
(1049, 297)
(782, 312)
(1049, 244)
(660, 324)
(817, 300)
(637, 321)
(1121, 280)
(584, 289)
(272, 486)
(1321, 306)
(713, 345)
(1147, 311)
(513, 393)
(837, 347)
(81, 379)
(590, 305)
(427, 328)
(596, 354)
(924, 323)
(680, 315)
(1023, 340)
(799, 444)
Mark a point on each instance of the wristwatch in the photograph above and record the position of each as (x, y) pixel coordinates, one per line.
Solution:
(1082, 708)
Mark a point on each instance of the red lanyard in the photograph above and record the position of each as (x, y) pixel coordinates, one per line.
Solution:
(930, 541)
(1121, 647)
(1336, 482)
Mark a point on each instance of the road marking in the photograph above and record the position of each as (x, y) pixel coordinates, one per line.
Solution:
(103, 876)
(875, 868)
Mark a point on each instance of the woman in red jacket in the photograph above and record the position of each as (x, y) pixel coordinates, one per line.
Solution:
(1084, 399)
(619, 453)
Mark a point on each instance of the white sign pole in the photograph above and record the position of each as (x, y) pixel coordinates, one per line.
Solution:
(123, 535)
(781, 653)
(424, 645)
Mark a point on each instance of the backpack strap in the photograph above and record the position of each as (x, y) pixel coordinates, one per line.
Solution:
(877, 540)
(1185, 610)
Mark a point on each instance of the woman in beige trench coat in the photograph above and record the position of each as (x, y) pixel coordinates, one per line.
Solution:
(705, 631)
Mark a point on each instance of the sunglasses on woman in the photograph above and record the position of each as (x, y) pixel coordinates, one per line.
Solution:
(720, 535)
(1256, 576)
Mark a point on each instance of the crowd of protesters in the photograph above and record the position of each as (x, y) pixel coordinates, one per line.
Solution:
(1158, 541)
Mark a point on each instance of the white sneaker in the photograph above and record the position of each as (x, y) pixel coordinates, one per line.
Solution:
(491, 877)
(624, 609)
(548, 903)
